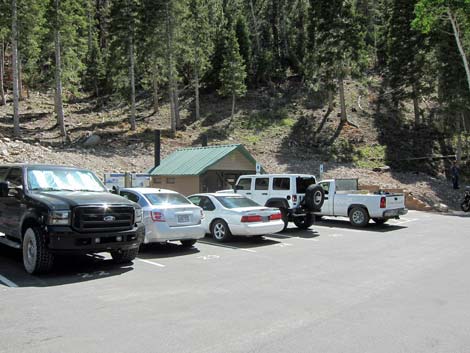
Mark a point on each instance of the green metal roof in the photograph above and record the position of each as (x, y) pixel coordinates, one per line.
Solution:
(196, 160)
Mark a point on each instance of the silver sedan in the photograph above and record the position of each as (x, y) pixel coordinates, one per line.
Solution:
(167, 215)
(231, 214)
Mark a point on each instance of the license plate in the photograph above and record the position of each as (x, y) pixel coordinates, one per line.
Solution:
(265, 219)
(183, 218)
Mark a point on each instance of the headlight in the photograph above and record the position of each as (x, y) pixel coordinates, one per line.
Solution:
(138, 215)
(59, 218)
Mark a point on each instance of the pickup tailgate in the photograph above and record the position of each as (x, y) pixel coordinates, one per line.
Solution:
(395, 201)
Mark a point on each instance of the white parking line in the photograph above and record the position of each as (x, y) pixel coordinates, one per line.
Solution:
(342, 229)
(226, 246)
(151, 263)
(7, 282)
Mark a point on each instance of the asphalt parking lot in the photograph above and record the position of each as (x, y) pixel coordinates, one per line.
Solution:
(401, 287)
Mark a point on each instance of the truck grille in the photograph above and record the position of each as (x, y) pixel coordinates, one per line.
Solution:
(87, 219)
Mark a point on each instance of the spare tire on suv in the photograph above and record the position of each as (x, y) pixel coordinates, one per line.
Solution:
(314, 198)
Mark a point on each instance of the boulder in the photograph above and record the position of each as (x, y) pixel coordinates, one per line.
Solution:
(92, 140)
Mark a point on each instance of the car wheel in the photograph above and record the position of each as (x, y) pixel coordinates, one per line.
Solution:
(380, 220)
(465, 206)
(359, 217)
(220, 231)
(285, 218)
(36, 256)
(304, 222)
(124, 256)
(188, 243)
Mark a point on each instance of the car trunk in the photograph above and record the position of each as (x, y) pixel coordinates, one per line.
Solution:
(255, 211)
(395, 201)
(179, 216)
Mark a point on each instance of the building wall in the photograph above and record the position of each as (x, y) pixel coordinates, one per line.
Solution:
(185, 185)
(233, 162)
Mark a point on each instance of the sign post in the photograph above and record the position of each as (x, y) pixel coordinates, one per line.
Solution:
(321, 171)
(258, 168)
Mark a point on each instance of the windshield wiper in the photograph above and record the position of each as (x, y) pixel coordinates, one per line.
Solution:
(50, 189)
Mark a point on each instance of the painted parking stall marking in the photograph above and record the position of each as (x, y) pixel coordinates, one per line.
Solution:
(152, 263)
(7, 282)
(209, 257)
(226, 246)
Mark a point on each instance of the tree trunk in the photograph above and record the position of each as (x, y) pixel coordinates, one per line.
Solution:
(155, 90)
(20, 78)
(196, 90)
(458, 40)
(14, 48)
(416, 106)
(257, 39)
(2, 73)
(342, 100)
(176, 102)
(330, 101)
(132, 78)
(169, 59)
(233, 107)
(58, 75)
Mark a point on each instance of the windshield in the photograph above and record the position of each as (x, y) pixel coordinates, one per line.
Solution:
(236, 201)
(56, 179)
(167, 199)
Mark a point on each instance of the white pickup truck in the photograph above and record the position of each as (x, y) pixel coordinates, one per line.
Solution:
(342, 198)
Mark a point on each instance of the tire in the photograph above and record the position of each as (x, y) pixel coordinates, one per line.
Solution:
(220, 231)
(380, 220)
(285, 218)
(359, 217)
(304, 222)
(465, 206)
(188, 243)
(124, 256)
(314, 198)
(36, 256)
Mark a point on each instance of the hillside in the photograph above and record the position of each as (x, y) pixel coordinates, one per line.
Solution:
(280, 126)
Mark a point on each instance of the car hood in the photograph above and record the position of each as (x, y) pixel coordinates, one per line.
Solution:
(60, 200)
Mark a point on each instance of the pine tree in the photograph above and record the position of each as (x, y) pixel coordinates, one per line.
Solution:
(14, 49)
(233, 73)
(5, 25)
(198, 34)
(335, 48)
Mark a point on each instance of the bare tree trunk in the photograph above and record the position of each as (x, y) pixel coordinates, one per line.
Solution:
(257, 39)
(342, 100)
(169, 59)
(14, 47)
(132, 78)
(2, 72)
(196, 89)
(20, 78)
(233, 107)
(416, 106)
(458, 40)
(58, 75)
(330, 101)
(176, 102)
(155, 90)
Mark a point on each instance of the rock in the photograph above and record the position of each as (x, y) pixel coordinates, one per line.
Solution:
(383, 169)
(92, 140)
(440, 207)
(5, 152)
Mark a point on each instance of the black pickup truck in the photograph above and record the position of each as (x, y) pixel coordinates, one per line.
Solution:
(45, 210)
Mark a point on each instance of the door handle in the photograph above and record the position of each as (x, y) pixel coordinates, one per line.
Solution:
(248, 193)
(326, 197)
(264, 193)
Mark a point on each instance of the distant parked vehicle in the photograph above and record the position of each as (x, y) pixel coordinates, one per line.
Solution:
(347, 201)
(231, 214)
(168, 215)
(296, 195)
(465, 205)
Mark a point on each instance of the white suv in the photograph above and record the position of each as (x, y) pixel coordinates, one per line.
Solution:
(296, 195)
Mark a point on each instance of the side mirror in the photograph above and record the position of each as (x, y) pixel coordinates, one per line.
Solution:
(116, 190)
(238, 187)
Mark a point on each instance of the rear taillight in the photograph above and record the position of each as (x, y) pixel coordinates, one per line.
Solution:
(294, 198)
(248, 219)
(383, 202)
(275, 217)
(157, 216)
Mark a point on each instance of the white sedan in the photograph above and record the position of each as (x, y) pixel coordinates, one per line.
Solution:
(167, 215)
(231, 214)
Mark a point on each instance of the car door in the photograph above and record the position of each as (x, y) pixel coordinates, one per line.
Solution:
(13, 208)
(208, 208)
(245, 186)
(327, 208)
(261, 190)
(3, 219)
